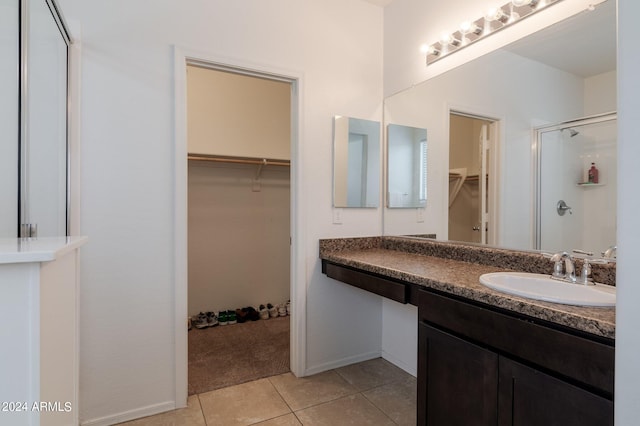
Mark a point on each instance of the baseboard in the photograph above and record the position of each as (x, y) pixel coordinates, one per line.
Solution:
(309, 371)
(138, 413)
(411, 369)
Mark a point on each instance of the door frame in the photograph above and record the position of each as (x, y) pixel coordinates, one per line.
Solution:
(297, 276)
(496, 132)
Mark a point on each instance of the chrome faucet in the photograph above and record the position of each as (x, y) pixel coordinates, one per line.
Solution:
(568, 273)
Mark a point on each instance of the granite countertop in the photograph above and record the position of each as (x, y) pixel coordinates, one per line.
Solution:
(405, 259)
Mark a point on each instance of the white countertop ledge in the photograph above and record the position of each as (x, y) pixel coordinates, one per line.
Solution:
(45, 249)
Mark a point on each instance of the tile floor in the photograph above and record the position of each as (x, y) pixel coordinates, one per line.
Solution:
(372, 392)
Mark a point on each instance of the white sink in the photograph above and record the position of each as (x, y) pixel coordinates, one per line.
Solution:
(542, 287)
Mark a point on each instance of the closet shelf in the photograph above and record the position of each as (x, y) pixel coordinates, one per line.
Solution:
(457, 177)
(585, 184)
(239, 160)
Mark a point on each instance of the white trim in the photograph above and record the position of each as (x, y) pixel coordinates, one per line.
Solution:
(411, 369)
(180, 279)
(74, 133)
(298, 236)
(343, 362)
(149, 410)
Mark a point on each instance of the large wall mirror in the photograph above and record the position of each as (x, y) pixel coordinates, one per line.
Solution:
(356, 162)
(564, 73)
(34, 190)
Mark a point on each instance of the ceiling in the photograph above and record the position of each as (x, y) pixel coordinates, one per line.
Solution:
(584, 45)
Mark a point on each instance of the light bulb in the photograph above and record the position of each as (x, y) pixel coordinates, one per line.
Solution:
(433, 50)
(520, 3)
(470, 27)
(447, 39)
(496, 14)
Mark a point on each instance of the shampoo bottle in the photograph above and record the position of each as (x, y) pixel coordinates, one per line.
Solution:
(593, 173)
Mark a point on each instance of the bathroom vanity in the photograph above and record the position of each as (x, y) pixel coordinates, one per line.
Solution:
(486, 357)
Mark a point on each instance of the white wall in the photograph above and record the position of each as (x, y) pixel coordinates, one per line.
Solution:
(127, 352)
(237, 115)
(238, 236)
(627, 396)
(400, 335)
(600, 93)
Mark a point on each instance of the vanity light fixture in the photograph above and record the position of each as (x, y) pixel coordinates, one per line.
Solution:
(495, 19)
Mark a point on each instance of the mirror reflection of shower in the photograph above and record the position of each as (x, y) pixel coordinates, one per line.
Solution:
(572, 132)
(568, 155)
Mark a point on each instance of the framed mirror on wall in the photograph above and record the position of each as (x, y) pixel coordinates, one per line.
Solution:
(35, 161)
(356, 163)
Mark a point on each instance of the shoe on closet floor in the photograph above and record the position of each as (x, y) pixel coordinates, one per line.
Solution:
(241, 315)
(282, 310)
(252, 314)
(273, 311)
(231, 317)
(200, 320)
(264, 312)
(212, 319)
(223, 318)
(288, 306)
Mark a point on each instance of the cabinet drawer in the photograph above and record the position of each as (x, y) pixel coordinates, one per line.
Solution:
(586, 361)
(381, 286)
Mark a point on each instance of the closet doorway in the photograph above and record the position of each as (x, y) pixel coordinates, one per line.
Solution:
(239, 203)
(472, 178)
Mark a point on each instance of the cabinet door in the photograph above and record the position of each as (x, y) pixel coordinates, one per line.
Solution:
(457, 381)
(528, 397)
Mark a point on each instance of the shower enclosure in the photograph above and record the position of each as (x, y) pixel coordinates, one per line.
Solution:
(573, 209)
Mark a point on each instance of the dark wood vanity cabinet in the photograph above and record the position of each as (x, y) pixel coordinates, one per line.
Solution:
(480, 366)
(457, 380)
(527, 396)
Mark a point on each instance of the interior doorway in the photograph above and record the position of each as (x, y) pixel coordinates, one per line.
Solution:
(295, 239)
(239, 140)
(472, 146)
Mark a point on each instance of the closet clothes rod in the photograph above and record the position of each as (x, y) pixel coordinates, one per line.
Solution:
(239, 160)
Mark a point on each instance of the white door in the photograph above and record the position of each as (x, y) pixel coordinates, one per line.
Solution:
(483, 214)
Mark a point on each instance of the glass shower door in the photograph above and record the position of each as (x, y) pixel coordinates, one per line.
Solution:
(44, 132)
(574, 212)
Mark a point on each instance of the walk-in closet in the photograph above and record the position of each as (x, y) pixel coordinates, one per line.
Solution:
(469, 175)
(239, 128)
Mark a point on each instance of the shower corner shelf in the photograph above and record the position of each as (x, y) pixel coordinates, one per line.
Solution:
(588, 184)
